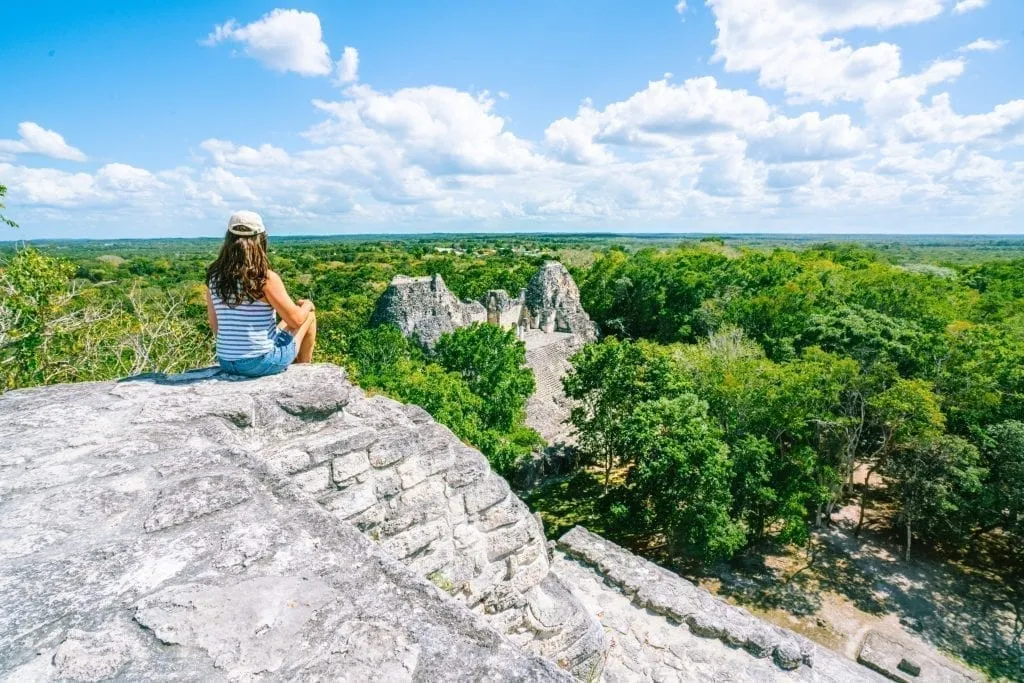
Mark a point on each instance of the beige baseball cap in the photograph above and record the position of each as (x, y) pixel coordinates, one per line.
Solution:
(245, 223)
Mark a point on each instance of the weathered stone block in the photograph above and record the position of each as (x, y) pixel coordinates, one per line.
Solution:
(351, 501)
(349, 465)
(414, 539)
(485, 493)
(508, 540)
(387, 484)
(193, 498)
(394, 444)
(411, 473)
(314, 481)
(469, 467)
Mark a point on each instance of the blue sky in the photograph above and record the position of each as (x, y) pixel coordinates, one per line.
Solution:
(159, 119)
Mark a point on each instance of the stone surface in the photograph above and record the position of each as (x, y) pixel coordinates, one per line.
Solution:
(424, 307)
(663, 627)
(200, 528)
(901, 661)
(553, 302)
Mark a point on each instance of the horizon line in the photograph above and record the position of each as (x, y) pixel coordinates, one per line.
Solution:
(384, 236)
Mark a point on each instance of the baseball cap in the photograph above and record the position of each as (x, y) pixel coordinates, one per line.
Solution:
(245, 223)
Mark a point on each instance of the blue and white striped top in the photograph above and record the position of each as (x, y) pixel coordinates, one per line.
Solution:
(247, 330)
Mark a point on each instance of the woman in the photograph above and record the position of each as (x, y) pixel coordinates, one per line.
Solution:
(242, 297)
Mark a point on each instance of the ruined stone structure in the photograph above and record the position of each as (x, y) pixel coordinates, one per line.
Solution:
(222, 516)
(424, 307)
(205, 527)
(547, 315)
(552, 302)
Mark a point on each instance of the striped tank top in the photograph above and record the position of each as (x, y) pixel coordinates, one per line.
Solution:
(246, 330)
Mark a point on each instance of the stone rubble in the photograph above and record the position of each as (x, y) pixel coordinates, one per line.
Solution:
(662, 623)
(900, 661)
(208, 527)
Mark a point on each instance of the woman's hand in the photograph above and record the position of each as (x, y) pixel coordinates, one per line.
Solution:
(306, 303)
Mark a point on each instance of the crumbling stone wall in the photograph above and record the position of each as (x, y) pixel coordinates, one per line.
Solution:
(424, 307)
(552, 301)
(433, 503)
(166, 528)
(430, 502)
(502, 309)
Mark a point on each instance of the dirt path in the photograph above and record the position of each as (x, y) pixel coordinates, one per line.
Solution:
(857, 585)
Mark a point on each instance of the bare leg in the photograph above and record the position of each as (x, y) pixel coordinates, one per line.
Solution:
(305, 338)
(307, 341)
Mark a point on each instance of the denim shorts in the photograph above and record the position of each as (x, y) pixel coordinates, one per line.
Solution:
(272, 362)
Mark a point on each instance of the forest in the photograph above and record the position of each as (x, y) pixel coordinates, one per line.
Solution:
(743, 390)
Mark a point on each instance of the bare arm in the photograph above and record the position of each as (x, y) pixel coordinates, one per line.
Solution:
(211, 314)
(276, 295)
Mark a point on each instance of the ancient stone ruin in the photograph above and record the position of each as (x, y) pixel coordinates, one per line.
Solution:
(547, 315)
(205, 527)
(424, 307)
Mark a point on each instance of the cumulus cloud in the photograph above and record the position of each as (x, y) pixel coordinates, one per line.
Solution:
(666, 154)
(681, 6)
(34, 139)
(963, 6)
(658, 116)
(348, 66)
(226, 153)
(792, 45)
(807, 137)
(283, 40)
(983, 45)
(441, 129)
(938, 123)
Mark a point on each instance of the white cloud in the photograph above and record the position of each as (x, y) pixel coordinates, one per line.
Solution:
(283, 40)
(964, 6)
(124, 178)
(807, 137)
(228, 154)
(901, 95)
(938, 123)
(444, 130)
(348, 66)
(681, 6)
(695, 154)
(34, 139)
(983, 45)
(792, 43)
(659, 116)
(227, 184)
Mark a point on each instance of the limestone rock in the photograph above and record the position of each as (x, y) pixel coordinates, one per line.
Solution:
(693, 611)
(899, 660)
(424, 307)
(201, 527)
(553, 301)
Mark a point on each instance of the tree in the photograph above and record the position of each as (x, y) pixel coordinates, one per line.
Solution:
(4, 219)
(479, 395)
(934, 482)
(492, 362)
(681, 475)
(905, 417)
(1003, 497)
(609, 379)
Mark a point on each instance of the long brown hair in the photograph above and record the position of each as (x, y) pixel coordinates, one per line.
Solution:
(240, 271)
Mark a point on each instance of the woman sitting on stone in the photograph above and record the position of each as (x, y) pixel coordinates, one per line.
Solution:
(244, 298)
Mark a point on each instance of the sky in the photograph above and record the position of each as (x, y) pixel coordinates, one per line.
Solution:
(123, 119)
